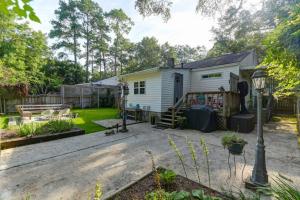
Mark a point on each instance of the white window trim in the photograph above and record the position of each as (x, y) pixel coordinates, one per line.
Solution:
(209, 78)
(139, 87)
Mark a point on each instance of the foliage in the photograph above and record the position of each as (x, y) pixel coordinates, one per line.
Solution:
(167, 176)
(57, 126)
(154, 7)
(22, 52)
(181, 195)
(66, 28)
(53, 126)
(282, 53)
(205, 152)
(30, 129)
(21, 8)
(283, 189)
(194, 156)
(178, 153)
(4, 122)
(158, 195)
(230, 139)
(199, 194)
(181, 121)
(86, 118)
(98, 192)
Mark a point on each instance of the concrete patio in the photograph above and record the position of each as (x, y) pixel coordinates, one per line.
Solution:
(70, 168)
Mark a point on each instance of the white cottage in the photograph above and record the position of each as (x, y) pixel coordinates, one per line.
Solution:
(160, 88)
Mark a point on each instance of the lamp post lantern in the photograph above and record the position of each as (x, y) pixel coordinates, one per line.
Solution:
(259, 177)
(125, 92)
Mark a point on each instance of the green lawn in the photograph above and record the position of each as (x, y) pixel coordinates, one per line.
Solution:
(87, 116)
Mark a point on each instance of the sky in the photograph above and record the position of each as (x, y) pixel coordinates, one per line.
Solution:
(185, 26)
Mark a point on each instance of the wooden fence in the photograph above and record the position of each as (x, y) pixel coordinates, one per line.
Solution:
(286, 105)
(87, 101)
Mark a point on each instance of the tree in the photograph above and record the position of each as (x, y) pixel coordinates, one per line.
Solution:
(283, 53)
(66, 28)
(162, 7)
(148, 53)
(21, 9)
(121, 25)
(186, 54)
(22, 51)
(168, 51)
(90, 12)
(57, 72)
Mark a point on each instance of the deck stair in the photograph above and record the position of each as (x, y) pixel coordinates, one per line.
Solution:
(169, 118)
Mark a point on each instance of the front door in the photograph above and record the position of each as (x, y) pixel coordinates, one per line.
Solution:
(178, 87)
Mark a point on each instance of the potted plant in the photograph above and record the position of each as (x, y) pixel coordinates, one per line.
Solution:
(234, 143)
(181, 121)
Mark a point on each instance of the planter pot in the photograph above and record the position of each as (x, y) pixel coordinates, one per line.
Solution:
(236, 148)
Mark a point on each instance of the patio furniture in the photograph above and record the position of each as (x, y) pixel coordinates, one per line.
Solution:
(39, 108)
(47, 114)
(64, 113)
(134, 113)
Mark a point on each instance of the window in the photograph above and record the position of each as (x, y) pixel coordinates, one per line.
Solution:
(142, 87)
(139, 87)
(136, 87)
(214, 75)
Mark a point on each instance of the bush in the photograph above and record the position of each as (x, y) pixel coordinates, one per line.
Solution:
(167, 176)
(57, 126)
(53, 126)
(230, 139)
(30, 129)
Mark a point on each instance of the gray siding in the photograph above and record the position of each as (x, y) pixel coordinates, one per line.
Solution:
(167, 96)
(198, 84)
(152, 97)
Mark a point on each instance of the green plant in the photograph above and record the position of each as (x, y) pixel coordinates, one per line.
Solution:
(199, 194)
(158, 195)
(181, 121)
(167, 176)
(181, 195)
(283, 189)
(159, 191)
(178, 153)
(205, 153)
(230, 139)
(30, 129)
(194, 156)
(57, 126)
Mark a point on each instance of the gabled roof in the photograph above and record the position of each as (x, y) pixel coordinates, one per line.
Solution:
(215, 61)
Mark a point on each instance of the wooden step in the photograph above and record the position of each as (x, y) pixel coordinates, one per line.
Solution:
(164, 124)
(168, 119)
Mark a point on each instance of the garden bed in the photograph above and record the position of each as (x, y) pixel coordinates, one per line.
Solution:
(146, 184)
(22, 141)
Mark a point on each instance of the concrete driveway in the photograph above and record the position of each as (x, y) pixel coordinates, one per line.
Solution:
(70, 168)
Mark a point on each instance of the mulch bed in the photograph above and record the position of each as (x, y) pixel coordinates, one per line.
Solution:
(8, 143)
(139, 189)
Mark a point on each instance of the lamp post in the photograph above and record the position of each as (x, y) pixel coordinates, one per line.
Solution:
(259, 177)
(125, 92)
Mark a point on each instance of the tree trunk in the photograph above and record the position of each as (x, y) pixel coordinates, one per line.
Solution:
(75, 47)
(87, 50)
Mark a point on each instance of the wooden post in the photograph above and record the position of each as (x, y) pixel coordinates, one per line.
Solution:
(98, 97)
(63, 95)
(81, 97)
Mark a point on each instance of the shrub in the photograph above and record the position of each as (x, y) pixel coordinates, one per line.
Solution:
(230, 139)
(30, 129)
(167, 176)
(57, 126)
(182, 122)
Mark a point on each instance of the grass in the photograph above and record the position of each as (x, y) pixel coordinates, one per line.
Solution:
(285, 118)
(87, 116)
